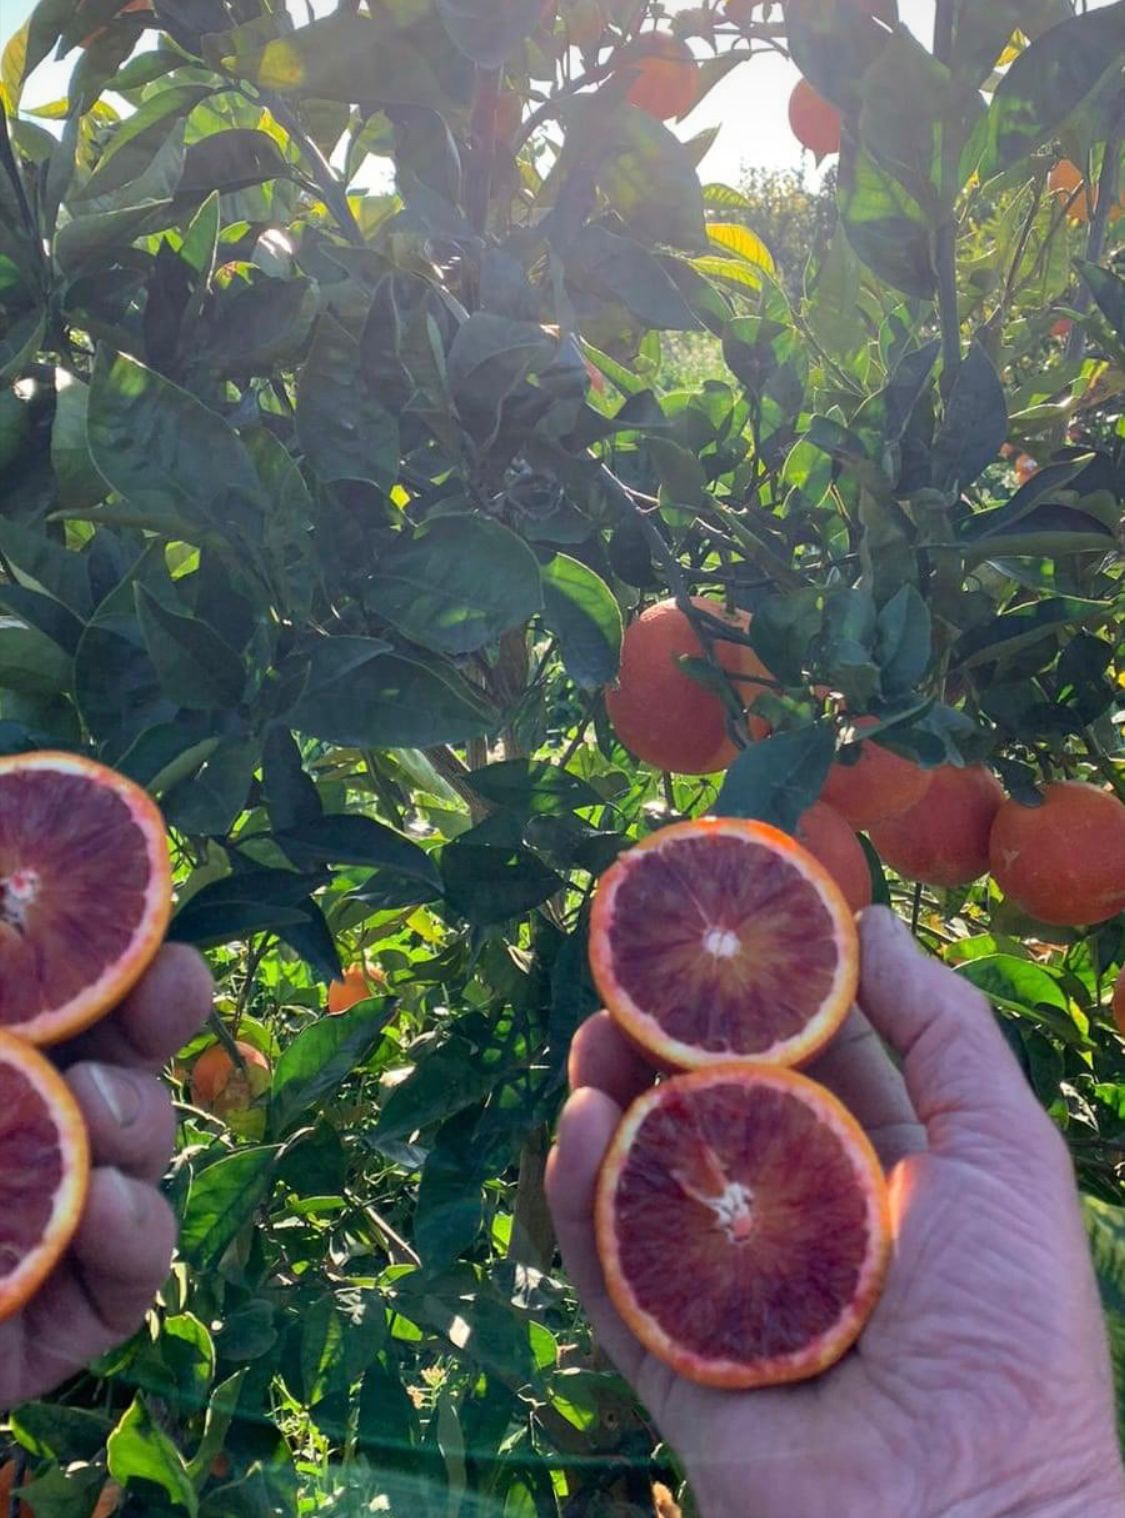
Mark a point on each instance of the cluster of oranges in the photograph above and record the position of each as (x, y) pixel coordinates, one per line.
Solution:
(1062, 862)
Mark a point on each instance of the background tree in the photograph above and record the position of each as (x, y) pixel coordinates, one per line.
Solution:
(324, 509)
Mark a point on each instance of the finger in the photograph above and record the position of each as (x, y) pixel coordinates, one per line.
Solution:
(857, 1068)
(962, 1078)
(601, 1056)
(119, 1259)
(122, 1251)
(128, 1115)
(588, 1123)
(163, 1012)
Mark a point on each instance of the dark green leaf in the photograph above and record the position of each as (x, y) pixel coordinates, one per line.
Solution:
(532, 787)
(346, 432)
(583, 613)
(349, 838)
(974, 426)
(197, 669)
(222, 1200)
(458, 586)
(321, 1057)
(779, 778)
(486, 885)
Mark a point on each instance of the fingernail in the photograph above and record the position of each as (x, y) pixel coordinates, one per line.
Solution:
(118, 1090)
(129, 1195)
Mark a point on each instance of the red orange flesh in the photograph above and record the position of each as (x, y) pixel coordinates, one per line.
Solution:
(723, 940)
(743, 1225)
(44, 1170)
(85, 892)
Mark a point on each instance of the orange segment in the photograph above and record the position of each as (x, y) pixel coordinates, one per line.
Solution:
(44, 1170)
(743, 1225)
(723, 939)
(85, 892)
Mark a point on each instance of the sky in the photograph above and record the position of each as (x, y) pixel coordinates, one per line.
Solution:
(749, 106)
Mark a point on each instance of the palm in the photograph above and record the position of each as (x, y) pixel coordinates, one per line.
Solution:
(968, 1336)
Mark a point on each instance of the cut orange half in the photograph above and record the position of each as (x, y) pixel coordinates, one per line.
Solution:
(44, 1170)
(743, 1225)
(723, 939)
(85, 892)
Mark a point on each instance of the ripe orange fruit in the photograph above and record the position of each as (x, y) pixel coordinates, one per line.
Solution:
(721, 940)
(666, 81)
(743, 1225)
(878, 786)
(943, 840)
(1062, 328)
(1118, 1001)
(659, 712)
(830, 839)
(359, 982)
(815, 121)
(1063, 862)
(1026, 468)
(1064, 182)
(219, 1086)
(44, 1170)
(85, 892)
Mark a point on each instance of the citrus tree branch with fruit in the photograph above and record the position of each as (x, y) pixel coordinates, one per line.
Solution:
(347, 509)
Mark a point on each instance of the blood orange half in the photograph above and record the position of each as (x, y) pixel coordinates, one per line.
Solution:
(723, 939)
(743, 1225)
(44, 1170)
(85, 892)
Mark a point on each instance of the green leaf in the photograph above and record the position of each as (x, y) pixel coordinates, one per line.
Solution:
(532, 787)
(886, 226)
(346, 432)
(349, 838)
(322, 1057)
(253, 901)
(116, 686)
(1045, 86)
(1105, 1227)
(341, 57)
(230, 161)
(489, 31)
(223, 1199)
(196, 667)
(22, 339)
(208, 803)
(458, 586)
(360, 696)
(904, 646)
(166, 453)
(779, 778)
(1108, 289)
(583, 613)
(139, 1450)
(291, 797)
(79, 483)
(484, 884)
(449, 1210)
(974, 426)
(456, 1074)
(65, 1434)
(613, 267)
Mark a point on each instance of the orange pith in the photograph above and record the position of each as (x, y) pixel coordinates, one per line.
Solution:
(85, 892)
(723, 940)
(720, 1199)
(44, 1170)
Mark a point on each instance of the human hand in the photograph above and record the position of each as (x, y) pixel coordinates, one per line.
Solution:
(981, 1387)
(121, 1254)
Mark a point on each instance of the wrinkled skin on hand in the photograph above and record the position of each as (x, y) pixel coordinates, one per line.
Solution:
(981, 1387)
(121, 1254)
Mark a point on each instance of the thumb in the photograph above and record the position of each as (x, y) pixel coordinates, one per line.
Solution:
(963, 1080)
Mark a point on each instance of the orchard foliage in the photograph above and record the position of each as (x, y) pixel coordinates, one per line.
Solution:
(338, 449)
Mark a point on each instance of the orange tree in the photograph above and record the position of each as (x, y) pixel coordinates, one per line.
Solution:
(335, 460)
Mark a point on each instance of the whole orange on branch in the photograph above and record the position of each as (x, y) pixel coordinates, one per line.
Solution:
(877, 785)
(1062, 861)
(664, 716)
(743, 1225)
(830, 839)
(360, 980)
(943, 840)
(666, 78)
(817, 124)
(219, 1086)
